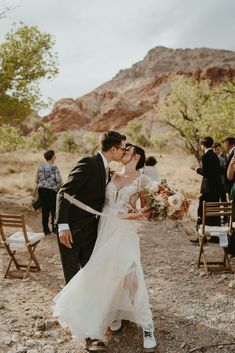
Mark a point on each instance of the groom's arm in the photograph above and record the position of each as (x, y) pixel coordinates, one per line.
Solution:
(75, 182)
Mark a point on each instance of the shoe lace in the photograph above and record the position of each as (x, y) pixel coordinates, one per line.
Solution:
(148, 334)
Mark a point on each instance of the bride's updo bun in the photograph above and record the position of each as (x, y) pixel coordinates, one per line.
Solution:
(141, 153)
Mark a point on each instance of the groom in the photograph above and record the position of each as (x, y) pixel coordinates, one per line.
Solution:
(77, 228)
(86, 181)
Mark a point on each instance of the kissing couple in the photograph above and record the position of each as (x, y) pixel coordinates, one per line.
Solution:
(101, 256)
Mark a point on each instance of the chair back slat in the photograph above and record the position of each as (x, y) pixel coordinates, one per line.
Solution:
(7, 220)
(220, 209)
(13, 221)
(211, 209)
(9, 224)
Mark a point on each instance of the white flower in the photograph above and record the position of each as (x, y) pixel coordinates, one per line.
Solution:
(155, 187)
(175, 201)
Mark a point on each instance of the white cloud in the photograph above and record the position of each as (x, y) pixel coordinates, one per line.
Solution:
(97, 38)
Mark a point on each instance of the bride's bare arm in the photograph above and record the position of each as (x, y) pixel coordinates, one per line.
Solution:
(135, 215)
(231, 169)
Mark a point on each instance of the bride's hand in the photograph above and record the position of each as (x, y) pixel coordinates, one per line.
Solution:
(135, 215)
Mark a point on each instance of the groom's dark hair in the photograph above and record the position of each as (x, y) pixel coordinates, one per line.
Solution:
(111, 139)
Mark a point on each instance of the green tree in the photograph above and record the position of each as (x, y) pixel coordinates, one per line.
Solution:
(26, 57)
(196, 109)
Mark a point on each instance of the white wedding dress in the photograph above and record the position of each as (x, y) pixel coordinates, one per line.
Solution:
(111, 286)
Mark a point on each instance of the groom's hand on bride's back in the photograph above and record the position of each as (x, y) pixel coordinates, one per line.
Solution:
(65, 237)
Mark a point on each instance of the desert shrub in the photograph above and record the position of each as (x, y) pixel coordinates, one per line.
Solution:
(43, 138)
(165, 142)
(137, 134)
(159, 143)
(66, 143)
(90, 143)
(11, 138)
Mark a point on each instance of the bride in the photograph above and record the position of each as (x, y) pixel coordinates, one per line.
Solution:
(111, 286)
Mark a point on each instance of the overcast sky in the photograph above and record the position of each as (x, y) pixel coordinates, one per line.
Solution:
(97, 38)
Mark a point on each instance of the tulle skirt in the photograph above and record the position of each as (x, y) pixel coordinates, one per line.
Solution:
(111, 286)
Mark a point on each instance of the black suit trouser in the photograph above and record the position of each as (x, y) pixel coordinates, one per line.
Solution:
(73, 259)
(48, 203)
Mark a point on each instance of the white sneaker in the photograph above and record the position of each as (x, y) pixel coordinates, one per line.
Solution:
(149, 341)
(116, 325)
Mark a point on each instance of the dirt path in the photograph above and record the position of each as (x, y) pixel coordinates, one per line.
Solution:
(189, 309)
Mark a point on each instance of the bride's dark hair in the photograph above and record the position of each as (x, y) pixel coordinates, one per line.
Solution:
(140, 151)
(141, 161)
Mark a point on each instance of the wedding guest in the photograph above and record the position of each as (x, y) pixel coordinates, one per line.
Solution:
(150, 168)
(229, 146)
(48, 180)
(217, 148)
(211, 186)
(231, 177)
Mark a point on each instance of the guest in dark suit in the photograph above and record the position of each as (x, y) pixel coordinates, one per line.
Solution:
(231, 176)
(229, 146)
(217, 148)
(87, 182)
(211, 186)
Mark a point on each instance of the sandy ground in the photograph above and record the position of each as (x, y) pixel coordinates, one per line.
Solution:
(190, 311)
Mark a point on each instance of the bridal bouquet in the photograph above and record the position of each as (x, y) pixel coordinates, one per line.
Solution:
(162, 202)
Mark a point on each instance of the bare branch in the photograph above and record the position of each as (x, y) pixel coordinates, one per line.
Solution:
(6, 9)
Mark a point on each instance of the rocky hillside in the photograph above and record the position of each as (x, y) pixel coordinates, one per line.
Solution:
(132, 92)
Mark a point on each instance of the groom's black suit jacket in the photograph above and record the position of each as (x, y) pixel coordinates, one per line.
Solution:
(211, 172)
(86, 182)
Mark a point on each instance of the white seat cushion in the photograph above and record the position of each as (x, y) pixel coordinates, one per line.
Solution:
(17, 241)
(212, 230)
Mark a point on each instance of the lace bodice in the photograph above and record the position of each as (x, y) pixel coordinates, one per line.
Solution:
(119, 199)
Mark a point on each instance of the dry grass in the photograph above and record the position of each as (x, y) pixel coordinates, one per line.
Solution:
(18, 171)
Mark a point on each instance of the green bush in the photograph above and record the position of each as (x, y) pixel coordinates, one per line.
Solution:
(66, 143)
(137, 134)
(11, 138)
(42, 138)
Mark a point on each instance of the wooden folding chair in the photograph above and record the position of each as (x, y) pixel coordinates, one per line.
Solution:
(17, 241)
(212, 209)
